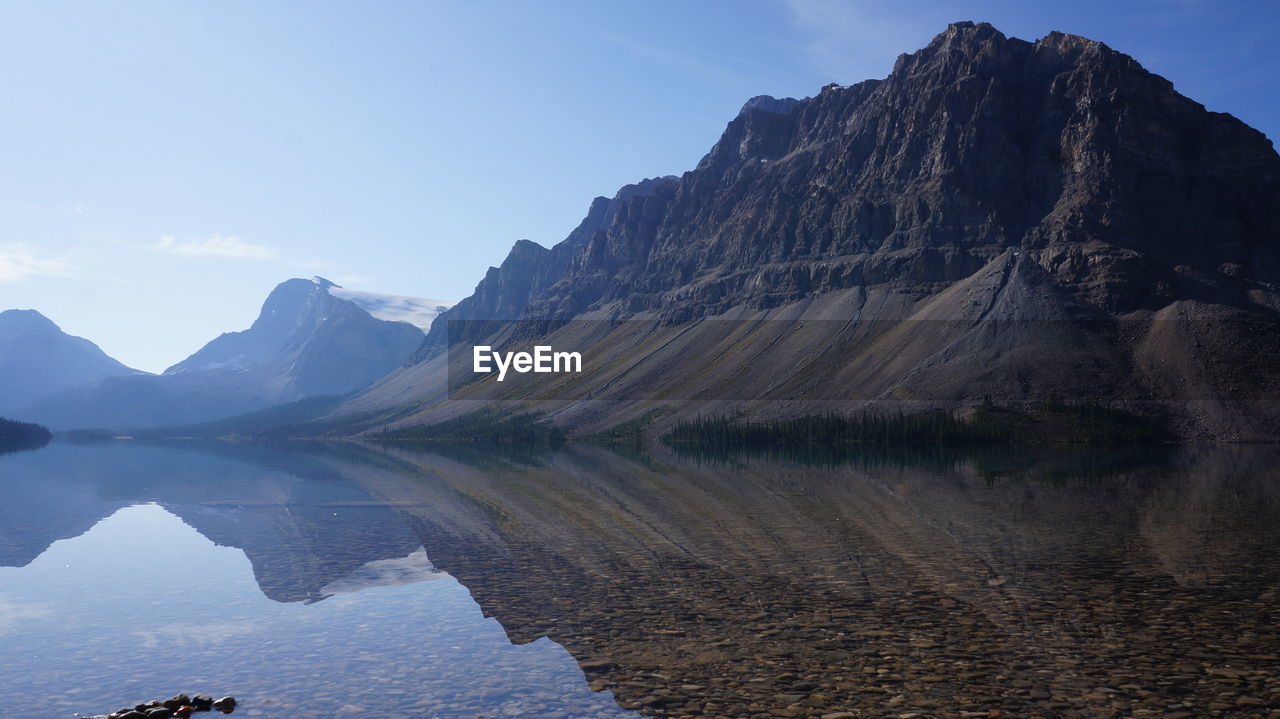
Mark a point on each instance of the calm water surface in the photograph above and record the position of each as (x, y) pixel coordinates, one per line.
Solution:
(340, 580)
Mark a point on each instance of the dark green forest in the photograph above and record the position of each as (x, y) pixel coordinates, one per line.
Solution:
(1049, 421)
(16, 435)
(483, 426)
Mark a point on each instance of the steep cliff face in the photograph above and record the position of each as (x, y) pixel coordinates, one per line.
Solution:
(986, 178)
(1128, 194)
(530, 269)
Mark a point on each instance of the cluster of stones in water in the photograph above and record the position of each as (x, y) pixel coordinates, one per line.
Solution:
(179, 707)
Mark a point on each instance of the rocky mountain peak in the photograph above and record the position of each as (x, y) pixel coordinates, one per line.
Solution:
(527, 248)
(291, 315)
(959, 40)
(38, 359)
(976, 144)
(13, 322)
(973, 145)
(307, 341)
(967, 49)
(1073, 44)
(643, 188)
(986, 177)
(768, 103)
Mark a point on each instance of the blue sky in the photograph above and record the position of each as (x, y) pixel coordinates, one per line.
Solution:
(167, 163)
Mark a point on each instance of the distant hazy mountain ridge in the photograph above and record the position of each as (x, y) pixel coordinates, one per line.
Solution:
(307, 341)
(298, 313)
(38, 359)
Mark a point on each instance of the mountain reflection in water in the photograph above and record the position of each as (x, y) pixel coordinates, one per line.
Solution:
(1051, 582)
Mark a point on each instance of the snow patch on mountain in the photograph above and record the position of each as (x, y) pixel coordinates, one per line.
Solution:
(417, 311)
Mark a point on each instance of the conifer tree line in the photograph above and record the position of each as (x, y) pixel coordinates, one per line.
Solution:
(22, 435)
(1052, 420)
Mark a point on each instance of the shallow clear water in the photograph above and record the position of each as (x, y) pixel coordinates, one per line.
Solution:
(315, 580)
(142, 605)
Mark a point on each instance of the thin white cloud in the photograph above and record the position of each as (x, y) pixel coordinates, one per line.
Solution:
(217, 246)
(78, 207)
(193, 634)
(15, 614)
(690, 61)
(18, 261)
(313, 265)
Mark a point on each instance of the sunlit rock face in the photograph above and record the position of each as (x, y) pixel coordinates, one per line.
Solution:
(1054, 185)
(1122, 192)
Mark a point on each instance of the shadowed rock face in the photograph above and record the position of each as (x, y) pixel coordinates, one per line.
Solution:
(986, 178)
(1125, 193)
(527, 272)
